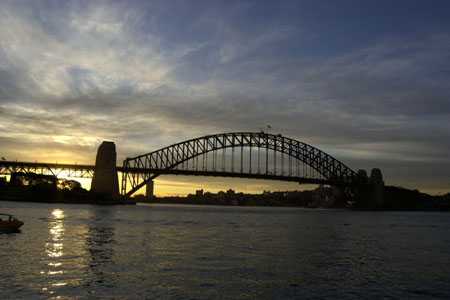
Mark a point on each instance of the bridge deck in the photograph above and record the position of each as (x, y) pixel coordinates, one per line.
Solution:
(27, 164)
(7, 167)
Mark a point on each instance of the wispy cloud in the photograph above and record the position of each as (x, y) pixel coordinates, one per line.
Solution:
(76, 73)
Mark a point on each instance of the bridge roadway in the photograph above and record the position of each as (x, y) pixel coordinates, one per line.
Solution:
(87, 171)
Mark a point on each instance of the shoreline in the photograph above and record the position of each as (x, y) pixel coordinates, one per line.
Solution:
(36, 195)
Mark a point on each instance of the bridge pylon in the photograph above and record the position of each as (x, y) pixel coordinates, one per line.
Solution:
(369, 193)
(105, 180)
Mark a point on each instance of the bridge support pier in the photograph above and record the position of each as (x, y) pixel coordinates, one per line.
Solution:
(370, 193)
(105, 179)
(149, 188)
(377, 188)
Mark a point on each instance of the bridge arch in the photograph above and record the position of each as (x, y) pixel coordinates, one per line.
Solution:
(139, 170)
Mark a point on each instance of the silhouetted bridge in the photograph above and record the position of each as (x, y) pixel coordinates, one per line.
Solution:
(257, 155)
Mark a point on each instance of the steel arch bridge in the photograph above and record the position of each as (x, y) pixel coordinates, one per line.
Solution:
(238, 154)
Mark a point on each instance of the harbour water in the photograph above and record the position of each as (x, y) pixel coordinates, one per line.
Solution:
(209, 252)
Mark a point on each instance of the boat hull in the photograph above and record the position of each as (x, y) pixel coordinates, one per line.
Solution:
(10, 226)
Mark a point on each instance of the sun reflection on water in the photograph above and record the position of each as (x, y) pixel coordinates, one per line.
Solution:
(54, 248)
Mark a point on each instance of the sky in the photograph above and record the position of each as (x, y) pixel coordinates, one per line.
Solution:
(365, 81)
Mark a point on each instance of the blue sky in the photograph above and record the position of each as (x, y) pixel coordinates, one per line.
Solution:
(366, 81)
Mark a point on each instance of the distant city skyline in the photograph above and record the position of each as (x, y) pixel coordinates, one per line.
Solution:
(366, 81)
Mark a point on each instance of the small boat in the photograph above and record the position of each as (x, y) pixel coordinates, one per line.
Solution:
(8, 223)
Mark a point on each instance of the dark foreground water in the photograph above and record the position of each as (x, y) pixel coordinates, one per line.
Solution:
(204, 252)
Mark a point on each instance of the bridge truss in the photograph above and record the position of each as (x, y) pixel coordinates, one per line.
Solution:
(240, 154)
(55, 169)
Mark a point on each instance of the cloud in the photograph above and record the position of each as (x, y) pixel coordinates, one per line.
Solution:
(80, 72)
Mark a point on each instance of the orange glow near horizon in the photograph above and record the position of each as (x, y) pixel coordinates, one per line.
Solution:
(182, 187)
